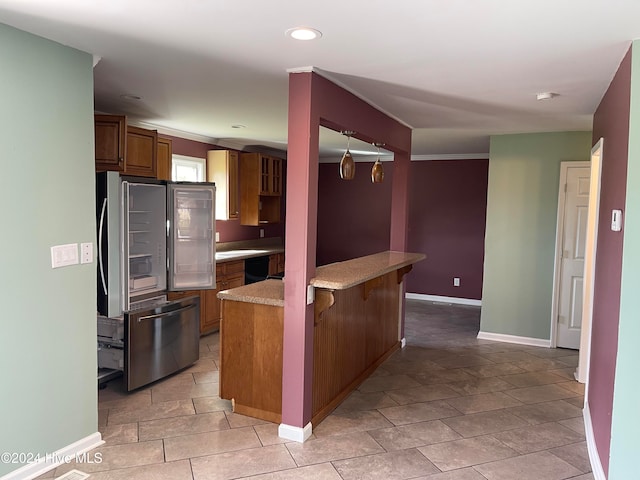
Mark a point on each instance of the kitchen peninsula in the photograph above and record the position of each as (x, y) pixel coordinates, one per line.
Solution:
(357, 319)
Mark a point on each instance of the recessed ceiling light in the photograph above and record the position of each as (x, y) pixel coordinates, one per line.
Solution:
(130, 96)
(303, 33)
(238, 125)
(546, 95)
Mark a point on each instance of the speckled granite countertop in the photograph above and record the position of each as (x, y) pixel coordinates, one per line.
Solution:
(343, 275)
(335, 276)
(226, 252)
(267, 292)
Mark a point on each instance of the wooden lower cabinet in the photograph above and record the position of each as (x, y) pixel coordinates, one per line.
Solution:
(228, 275)
(251, 358)
(355, 330)
(209, 308)
(276, 263)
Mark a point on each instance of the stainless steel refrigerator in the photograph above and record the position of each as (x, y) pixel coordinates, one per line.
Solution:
(153, 237)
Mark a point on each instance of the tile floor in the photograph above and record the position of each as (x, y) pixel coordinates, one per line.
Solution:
(446, 407)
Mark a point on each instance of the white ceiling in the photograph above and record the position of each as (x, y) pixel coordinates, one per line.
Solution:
(455, 71)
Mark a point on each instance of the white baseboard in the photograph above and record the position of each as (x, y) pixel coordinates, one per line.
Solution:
(594, 457)
(500, 337)
(49, 461)
(437, 298)
(297, 434)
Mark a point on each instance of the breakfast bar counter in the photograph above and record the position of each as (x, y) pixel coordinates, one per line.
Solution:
(357, 318)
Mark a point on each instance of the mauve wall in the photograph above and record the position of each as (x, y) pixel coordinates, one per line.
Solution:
(353, 215)
(447, 212)
(611, 122)
(447, 218)
(230, 230)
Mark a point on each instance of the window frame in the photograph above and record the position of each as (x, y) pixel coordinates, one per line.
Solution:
(198, 164)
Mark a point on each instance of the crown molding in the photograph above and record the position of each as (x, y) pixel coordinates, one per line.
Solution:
(174, 132)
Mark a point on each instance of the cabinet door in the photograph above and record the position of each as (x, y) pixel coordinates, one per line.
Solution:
(142, 151)
(276, 176)
(260, 190)
(276, 263)
(280, 263)
(110, 142)
(265, 175)
(232, 185)
(210, 321)
(164, 158)
(222, 169)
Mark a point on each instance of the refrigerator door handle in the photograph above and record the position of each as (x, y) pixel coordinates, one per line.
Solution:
(100, 265)
(166, 314)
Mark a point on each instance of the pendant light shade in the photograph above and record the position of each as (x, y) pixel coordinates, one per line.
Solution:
(377, 171)
(347, 164)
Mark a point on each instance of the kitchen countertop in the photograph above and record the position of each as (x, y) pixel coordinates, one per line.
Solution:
(335, 276)
(267, 292)
(241, 250)
(343, 275)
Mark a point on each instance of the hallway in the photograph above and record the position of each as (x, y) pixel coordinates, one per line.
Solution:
(446, 407)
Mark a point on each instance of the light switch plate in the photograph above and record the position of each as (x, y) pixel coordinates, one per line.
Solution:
(64, 255)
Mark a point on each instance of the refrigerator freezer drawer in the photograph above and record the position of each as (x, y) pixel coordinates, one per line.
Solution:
(161, 340)
(110, 358)
(112, 328)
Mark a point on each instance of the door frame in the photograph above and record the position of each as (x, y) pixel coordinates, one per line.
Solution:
(582, 371)
(557, 269)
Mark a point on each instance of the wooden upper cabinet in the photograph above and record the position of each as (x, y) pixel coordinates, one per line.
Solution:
(276, 176)
(123, 148)
(110, 142)
(222, 169)
(165, 151)
(270, 175)
(260, 188)
(142, 152)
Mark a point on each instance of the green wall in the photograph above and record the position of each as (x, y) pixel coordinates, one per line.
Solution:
(625, 422)
(48, 397)
(522, 207)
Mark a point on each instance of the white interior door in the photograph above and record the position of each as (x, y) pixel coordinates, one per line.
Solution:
(574, 233)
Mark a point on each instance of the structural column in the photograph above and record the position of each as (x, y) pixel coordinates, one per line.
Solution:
(300, 265)
(315, 101)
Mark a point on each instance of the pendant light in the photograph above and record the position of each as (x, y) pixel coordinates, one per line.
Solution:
(377, 171)
(347, 164)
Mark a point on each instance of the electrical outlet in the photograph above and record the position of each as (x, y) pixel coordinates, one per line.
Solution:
(217, 236)
(86, 252)
(456, 281)
(262, 233)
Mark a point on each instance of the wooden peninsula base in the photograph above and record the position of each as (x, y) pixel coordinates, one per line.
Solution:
(356, 328)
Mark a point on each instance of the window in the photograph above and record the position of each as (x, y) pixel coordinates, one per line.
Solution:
(187, 169)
